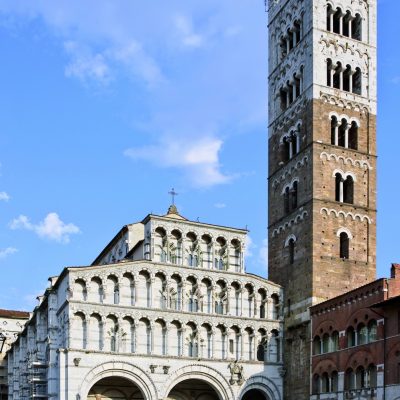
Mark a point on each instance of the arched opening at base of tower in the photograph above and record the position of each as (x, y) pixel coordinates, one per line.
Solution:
(193, 389)
(115, 388)
(255, 394)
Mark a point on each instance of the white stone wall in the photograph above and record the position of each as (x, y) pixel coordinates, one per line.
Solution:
(156, 322)
(318, 44)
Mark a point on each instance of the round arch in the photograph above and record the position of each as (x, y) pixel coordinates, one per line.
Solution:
(264, 385)
(203, 373)
(122, 370)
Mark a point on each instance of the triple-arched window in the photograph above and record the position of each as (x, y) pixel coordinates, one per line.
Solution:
(344, 133)
(343, 77)
(291, 38)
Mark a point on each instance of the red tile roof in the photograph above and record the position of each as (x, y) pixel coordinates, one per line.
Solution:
(14, 314)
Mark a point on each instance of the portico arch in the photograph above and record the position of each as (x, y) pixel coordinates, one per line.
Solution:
(120, 370)
(202, 373)
(261, 388)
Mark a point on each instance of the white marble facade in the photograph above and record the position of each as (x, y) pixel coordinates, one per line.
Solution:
(165, 312)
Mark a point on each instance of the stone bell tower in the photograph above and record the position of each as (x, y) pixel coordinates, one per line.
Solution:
(322, 160)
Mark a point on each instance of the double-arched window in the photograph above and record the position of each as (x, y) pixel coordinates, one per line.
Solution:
(344, 187)
(290, 197)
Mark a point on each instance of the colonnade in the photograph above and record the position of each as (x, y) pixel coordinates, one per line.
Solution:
(127, 334)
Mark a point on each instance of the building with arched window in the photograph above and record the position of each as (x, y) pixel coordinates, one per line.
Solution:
(356, 343)
(11, 324)
(155, 318)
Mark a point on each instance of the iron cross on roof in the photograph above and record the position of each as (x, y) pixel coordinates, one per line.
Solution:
(173, 194)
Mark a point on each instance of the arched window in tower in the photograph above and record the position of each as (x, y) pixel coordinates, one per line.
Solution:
(329, 72)
(338, 187)
(294, 141)
(347, 81)
(284, 99)
(337, 76)
(342, 127)
(290, 245)
(357, 81)
(284, 47)
(353, 136)
(297, 31)
(289, 35)
(336, 21)
(334, 131)
(297, 85)
(294, 195)
(344, 245)
(348, 190)
(356, 31)
(286, 200)
(346, 18)
(329, 12)
(291, 251)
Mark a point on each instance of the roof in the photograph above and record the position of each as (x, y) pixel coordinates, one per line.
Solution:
(393, 300)
(14, 314)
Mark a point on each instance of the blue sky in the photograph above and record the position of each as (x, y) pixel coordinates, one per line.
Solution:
(107, 105)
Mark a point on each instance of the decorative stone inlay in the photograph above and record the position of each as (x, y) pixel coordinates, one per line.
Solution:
(345, 214)
(364, 164)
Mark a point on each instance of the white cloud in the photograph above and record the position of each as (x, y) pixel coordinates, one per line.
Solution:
(86, 66)
(219, 205)
(186, 32)
(52, 227)
(199, 158)
(4, 196)
(7, 252)
(100, 67)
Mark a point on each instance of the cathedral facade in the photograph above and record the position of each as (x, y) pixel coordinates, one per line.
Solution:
(166, 311)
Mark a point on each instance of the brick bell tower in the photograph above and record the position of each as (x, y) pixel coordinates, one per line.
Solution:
(322, 161)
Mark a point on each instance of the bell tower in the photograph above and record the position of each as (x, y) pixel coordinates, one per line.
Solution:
(322, 160)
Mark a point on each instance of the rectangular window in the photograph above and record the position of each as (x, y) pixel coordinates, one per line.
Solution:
(231, 346)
